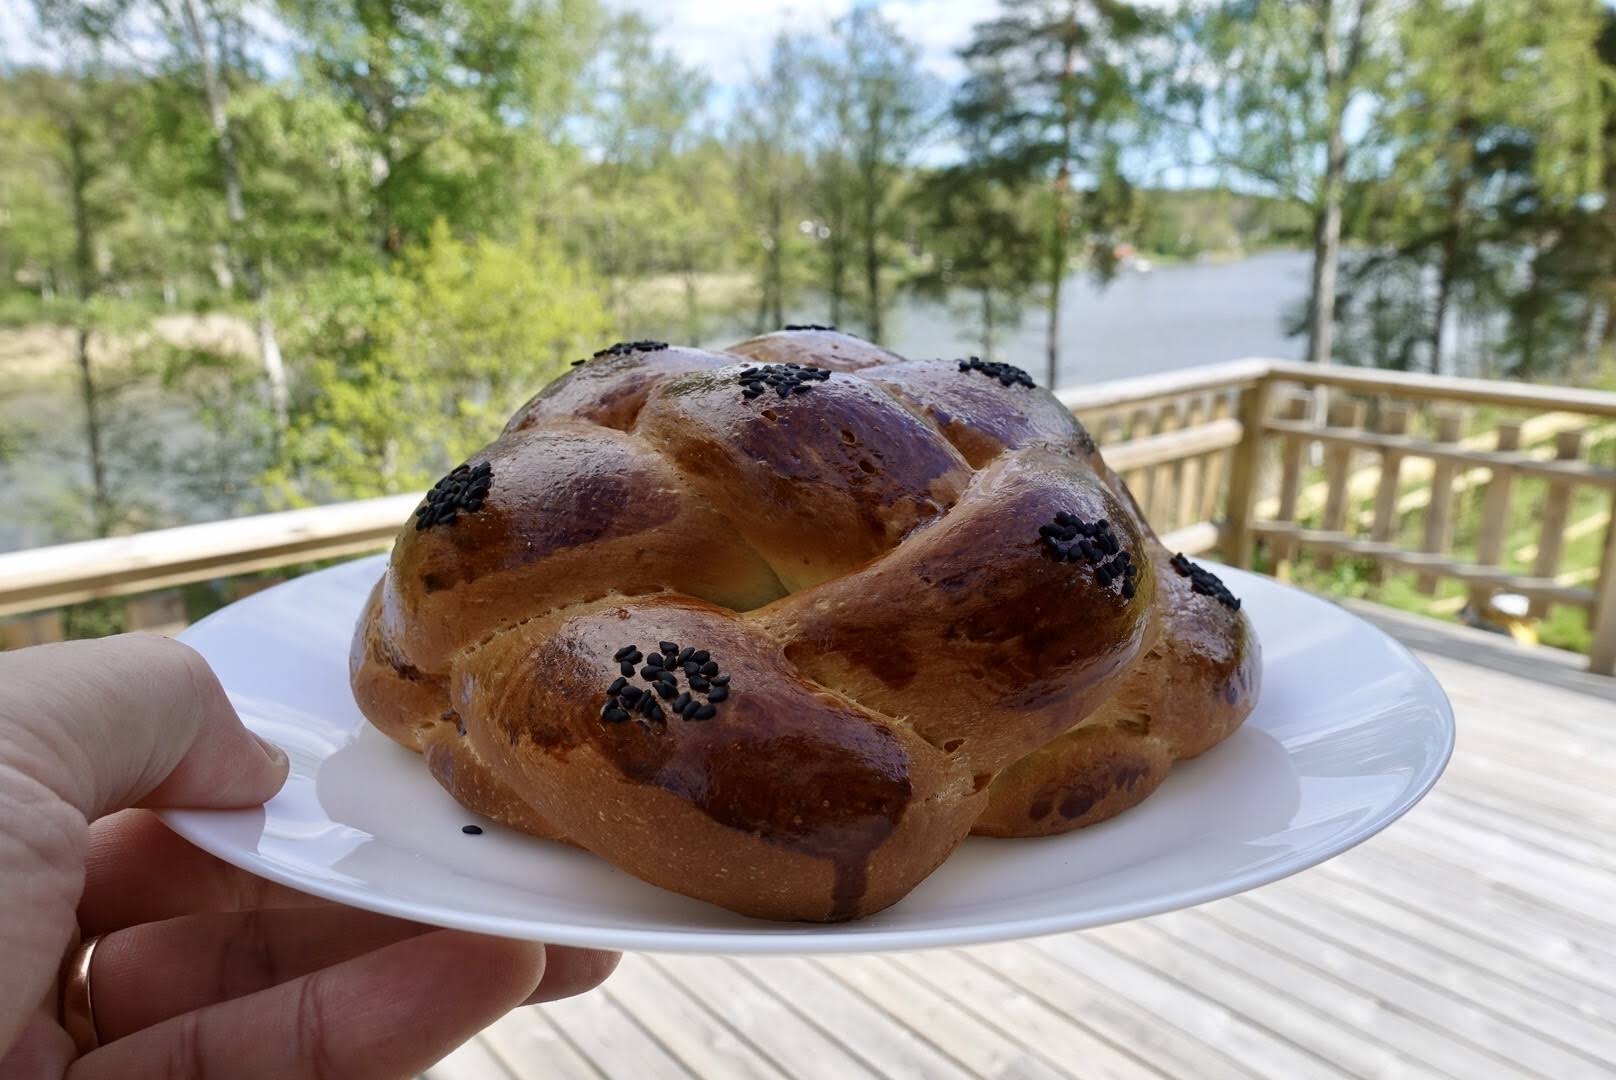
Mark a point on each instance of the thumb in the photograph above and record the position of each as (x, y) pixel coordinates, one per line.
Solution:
(87, 728)
(136, 720)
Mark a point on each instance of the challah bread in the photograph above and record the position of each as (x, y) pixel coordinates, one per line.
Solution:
(776, 628)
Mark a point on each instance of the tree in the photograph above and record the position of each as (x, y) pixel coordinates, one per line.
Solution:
(413, 366)
(648, 199)
(1483, 90)
(982, 238)
(1051, 83)
(451, 106)
(207, 38)
(1271, 84)
(873, 101)
(769, 147)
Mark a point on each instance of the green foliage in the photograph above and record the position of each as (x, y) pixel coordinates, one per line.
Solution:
(409, 369)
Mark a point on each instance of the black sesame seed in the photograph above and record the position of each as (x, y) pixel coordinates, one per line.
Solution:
(690, 706)
(718, 693)
(668, 646)
(665, 690)
(1050, 531)
(706, 712)
(680, 702)
(657, 714)
(650, 674)
(472, 830)
(686, 653)
(626, 668)
(748, 373)
(699, 684)
(750, 392)
(631, 694)
(654, 660)
(615, 715)
(617, 686)
(709, 669)
(623, 653)
(1128, 590)
(701, 656)
(720, 680)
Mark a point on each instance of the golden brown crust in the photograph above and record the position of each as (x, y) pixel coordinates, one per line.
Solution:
(824, 348)
(817, 482)
(610, 388)
(1186, 694)
(905, 659)
(971, 629)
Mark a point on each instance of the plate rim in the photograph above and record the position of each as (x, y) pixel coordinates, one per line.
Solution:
(785, 938)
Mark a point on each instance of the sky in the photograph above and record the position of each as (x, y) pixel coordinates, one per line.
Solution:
(733, 35)
(726, 38)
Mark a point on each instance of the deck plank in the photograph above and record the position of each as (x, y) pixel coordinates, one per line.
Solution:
(1476, 938)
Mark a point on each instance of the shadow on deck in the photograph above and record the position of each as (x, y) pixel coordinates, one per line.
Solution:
(1474, 939)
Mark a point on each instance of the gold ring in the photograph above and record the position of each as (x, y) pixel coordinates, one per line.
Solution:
(78, 1012)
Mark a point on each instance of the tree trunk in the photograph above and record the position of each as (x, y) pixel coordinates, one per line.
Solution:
(987, 325)
(1451, 233)
(1327, 213)
(838, 279)
(217, 95)
(872, 266)
(1059, 218)
(84, 287)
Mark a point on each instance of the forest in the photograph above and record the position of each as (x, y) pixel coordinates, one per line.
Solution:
(257, 254)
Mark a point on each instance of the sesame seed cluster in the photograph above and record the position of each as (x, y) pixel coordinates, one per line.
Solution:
(1205, 582)
(461, 492)
(1007, 374)
(662, 669)
(1072, 539)
(783, 379)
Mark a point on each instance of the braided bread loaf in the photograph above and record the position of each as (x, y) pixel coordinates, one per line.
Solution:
(776, 628)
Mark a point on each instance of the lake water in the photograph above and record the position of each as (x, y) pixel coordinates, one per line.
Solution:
(1174, 317)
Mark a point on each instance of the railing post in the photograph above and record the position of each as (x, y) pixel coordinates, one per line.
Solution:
(1439, 512)
(1393, 421)
(1495, 514)
(1243, 473)
(1290, 482)
(1345, 415)
(1556, 508)
(1187, 474)
(1602, 618)
(1216, 465)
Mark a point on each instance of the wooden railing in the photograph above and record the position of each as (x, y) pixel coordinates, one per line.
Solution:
(1287, 459)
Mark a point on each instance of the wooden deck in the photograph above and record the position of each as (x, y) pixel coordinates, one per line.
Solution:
(1476, 939)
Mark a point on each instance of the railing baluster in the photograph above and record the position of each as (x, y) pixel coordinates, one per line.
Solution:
(1217, 464)
(160, 613)
(1163, 489)
(1141, 425)
(25, 630)
(1439, 514)
(1602, 617)
(1243, 473)
(1337, 466)
(1290, 482)
(1495, 514)
(1556, 507)
(1187, 474)
(1393, 421)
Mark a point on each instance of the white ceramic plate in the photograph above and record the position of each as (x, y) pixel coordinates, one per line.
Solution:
(1350, 732)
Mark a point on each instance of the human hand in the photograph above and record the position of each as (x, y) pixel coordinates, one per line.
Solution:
(202, 969)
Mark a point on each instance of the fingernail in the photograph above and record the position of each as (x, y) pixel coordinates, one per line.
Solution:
(275, 753)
